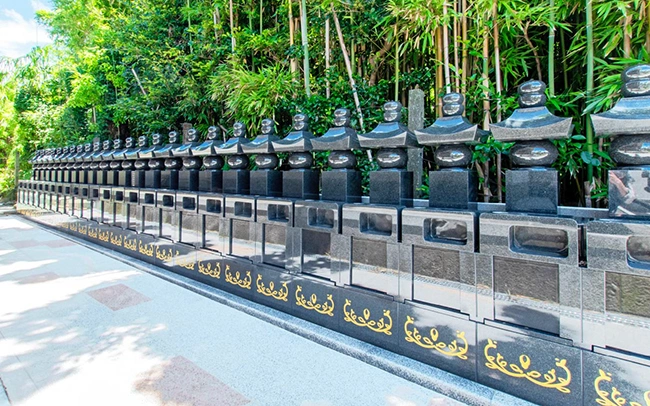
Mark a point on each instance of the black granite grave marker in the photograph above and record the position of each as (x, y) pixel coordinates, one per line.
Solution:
(265, 180)
(211, 177)
(236, 180)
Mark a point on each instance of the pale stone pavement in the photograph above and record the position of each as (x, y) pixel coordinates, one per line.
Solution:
(81, 328)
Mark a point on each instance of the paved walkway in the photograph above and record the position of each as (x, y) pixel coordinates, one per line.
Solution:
(81, 328)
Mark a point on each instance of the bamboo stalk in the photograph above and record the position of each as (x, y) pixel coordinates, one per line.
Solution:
(463, 24)
(439, 71)
(455, 34)
(189, 24)
(327, 57)
(486, 82)
(396, 63)
(445, 46)
(497, 59)
(293, 63)
(305, 47)
(551, 52)
(232, 28)
(346, 58)
(627, 38)
(646, 7)
(137, 79)
(589, 133)
(261, 15)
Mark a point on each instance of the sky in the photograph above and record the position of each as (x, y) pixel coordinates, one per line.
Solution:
(19, 31)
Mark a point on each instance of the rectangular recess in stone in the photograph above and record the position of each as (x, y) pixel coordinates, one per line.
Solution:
(120, 219)
(108, 214)
(242, 240)
(376, 223)
(275, 245)
(98, 209)
(321, 217)
(539, 241)
(527, 293)
(436, 277)
(317, 253)
(243, 209)
(213, 205)
(373, 267)
(445, 231)
(189, 203)
(134, 217)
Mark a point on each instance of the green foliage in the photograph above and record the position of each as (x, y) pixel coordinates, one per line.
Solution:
(131, 67)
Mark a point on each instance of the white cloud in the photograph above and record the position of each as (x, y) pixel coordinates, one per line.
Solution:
(41, 5)
(19, 35)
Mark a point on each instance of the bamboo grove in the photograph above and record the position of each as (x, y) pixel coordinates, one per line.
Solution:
(123, 68)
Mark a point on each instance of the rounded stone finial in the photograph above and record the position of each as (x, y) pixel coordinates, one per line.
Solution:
(341, 117)
(213, 133)
(213, 162)
(239, 129)
(267, 126)
(192, 135)
(129, 142)
(97, 146)
(392, 111)
(106, 145)
(143, 141)
(453, 104)
(531, 94)
(117, 143)
(156, 139)
(636, 81)
(173, 137)
(80, 148)
(88, 147)
(300, 122)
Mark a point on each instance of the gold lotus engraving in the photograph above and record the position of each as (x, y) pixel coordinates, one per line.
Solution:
(145, 249)
(614, 397)
(165, 255)
(93, 232)
(364, 320)
(104, 236)
(83, 230)
(209, 270)
(548, 380)
(130, 244)
(452, 349)
(116, 239)
(326, 307)
(281, 294)
(237, 280)
(73, 227)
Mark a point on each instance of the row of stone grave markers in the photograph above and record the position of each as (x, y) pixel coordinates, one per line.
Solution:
(554, 309)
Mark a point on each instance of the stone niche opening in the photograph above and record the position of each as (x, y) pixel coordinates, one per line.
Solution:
(445, 231)
(275, 243)
(242, 238)
(638, 251)
(539, 241)
(319, 217)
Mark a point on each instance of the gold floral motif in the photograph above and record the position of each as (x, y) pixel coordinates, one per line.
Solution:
(236, 279)
(312, 304)
(614, 397)
(363, 320)
(83, 230)
(145, 249)
(209, 271)
(189, 265)
(165, 255)
(281, 294)
(73, 227)
(93, 232)
(104, 236)
(130, 244)
(452, 349)
(550, 378)
(65, 225)
(116, 239)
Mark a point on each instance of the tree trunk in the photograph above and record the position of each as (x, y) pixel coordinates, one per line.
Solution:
(589, 133)
(396, 39)
(348, 66)
(455, 34)
(486, 81)
(465, 67)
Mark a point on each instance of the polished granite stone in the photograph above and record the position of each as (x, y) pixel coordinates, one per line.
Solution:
(236, 181)
(300, 184)
(341, 185)
(452, 189)
(532, 191)
(391, 187)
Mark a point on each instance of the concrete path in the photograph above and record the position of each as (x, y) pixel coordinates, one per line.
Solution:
(80, 328)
